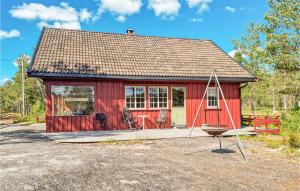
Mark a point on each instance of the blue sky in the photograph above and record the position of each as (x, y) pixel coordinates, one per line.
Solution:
(217, 20)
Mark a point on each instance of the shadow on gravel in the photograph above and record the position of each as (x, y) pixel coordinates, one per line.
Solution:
(22, 136)
(223, 151)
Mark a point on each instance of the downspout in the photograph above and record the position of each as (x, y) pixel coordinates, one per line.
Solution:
(241, 87)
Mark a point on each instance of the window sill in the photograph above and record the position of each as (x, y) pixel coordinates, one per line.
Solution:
(213, 108)
(157, 109)
(137, 109)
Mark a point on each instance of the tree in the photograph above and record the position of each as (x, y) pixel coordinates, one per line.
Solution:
(282, 33)
(11, 91)
(249, 53)
(270, 50)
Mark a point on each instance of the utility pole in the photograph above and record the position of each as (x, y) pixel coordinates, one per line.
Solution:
(23, 88)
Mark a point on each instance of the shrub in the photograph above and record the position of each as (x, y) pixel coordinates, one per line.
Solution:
(290, 127)
(25, 119)
(290, 121)
(294, 140)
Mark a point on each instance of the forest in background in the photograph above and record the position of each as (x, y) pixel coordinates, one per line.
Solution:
(11, 94)
(269, 50)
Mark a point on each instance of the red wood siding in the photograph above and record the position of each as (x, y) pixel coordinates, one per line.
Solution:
(209, 116)
(110, 99)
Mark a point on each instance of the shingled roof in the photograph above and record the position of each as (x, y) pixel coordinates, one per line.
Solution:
(76, 53)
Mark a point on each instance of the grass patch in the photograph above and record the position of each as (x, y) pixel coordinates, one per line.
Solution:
(274, 144)
(292, 152)
(271, 141)
(290, 144)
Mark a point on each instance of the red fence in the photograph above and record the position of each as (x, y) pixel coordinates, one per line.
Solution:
(267, 124)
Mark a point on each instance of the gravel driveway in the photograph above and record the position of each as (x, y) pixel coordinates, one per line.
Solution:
(29, 161)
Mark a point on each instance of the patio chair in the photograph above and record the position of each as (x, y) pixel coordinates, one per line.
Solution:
(128, 119)
(162, 119)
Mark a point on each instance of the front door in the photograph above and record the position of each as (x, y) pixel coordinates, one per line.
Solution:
(178, 111)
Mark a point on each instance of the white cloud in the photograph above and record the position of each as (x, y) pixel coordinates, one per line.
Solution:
(62, 16)
(121, 8)
(3, 80)
(201, 5)
(232, 53)
(165, 8)
(121, 18)
(85, 15)
(65, 25)
(196, 20)
(230, 9)
(9, 34)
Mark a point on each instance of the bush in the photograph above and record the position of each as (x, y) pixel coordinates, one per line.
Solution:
(290, 127)
(294, 140)
(25, 119)
(38, 108)
(290, 121)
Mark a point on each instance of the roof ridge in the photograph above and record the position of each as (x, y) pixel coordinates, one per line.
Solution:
(123, 34)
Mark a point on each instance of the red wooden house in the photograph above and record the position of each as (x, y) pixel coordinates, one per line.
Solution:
(92, 72)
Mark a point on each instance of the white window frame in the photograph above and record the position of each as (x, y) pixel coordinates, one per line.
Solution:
(158, 97)
(135, 108)
(218, 100)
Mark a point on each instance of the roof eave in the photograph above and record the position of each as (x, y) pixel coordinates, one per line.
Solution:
(35, 50)
(120, 77)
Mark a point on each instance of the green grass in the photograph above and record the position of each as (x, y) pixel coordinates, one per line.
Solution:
(289, 145)
(271, 141)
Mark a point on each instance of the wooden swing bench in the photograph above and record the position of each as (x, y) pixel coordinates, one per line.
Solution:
(267, 124)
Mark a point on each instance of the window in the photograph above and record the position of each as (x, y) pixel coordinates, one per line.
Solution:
(212, 97)
(158, 97)
(135, 97)
(178, 97)
(72, 100)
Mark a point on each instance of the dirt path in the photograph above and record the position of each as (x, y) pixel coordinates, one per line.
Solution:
(31, 162)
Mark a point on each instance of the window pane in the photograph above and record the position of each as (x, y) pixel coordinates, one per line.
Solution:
(129, 92)
(158, 96)
(165, 104)
(153, 95)
(135, 97)
(212, 97)
(178, 97)
(73, 100)
(212, 91)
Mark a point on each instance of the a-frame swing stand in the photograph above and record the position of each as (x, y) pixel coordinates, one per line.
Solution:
(238, 142)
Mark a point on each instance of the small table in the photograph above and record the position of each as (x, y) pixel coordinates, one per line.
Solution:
(143, 120)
